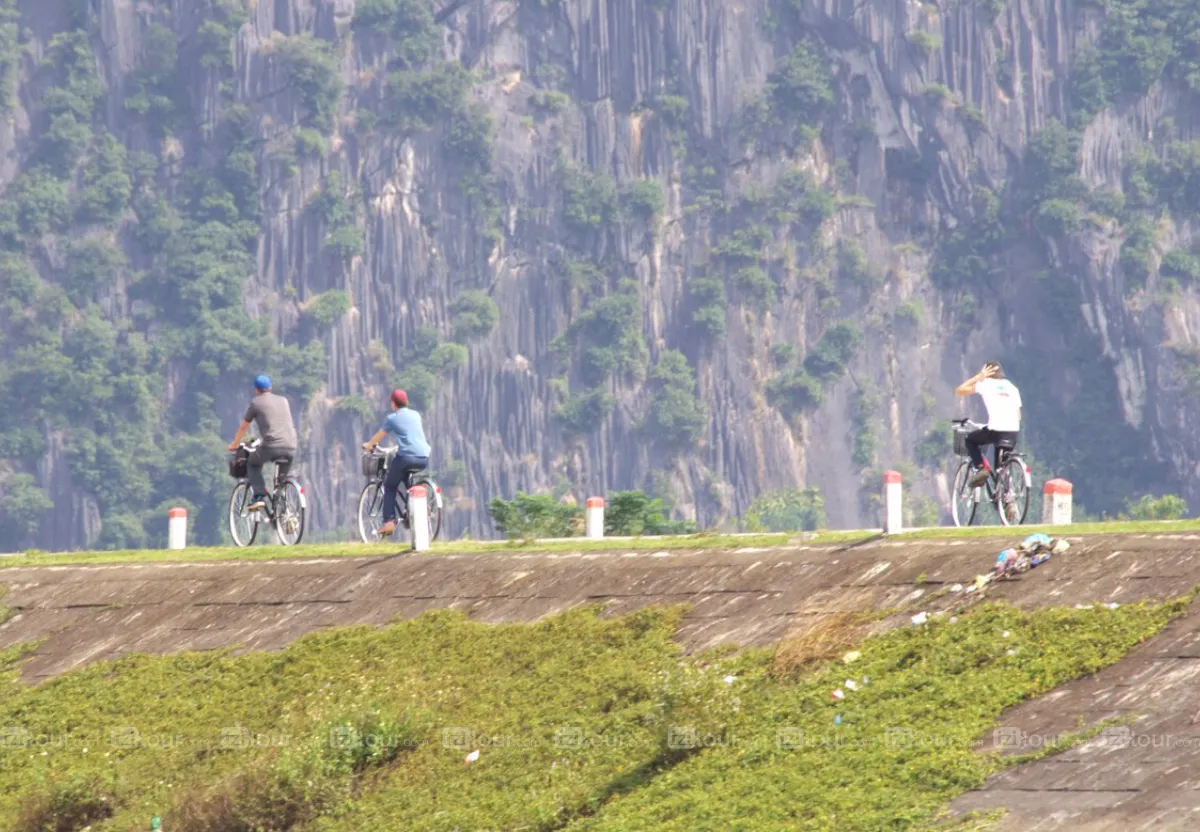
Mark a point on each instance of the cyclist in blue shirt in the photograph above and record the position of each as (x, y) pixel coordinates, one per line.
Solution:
(412, 455)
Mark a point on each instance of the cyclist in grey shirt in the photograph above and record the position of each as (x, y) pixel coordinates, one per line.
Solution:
(272, 415)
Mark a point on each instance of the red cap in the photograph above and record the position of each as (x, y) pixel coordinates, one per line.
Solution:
(890, 477)
(595, 502)
(177, 512)
(399, 397)
(1057, 486)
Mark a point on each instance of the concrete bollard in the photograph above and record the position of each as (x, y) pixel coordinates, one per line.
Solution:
(893, 503)
(177, 528)
(595, 517)
(418, 517)
(1056, 502)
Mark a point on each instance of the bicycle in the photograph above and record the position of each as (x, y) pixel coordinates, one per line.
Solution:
(286, 508)
(370, 500)
(1007, 487)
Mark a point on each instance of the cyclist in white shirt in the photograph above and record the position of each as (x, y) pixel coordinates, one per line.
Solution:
(1003, 402)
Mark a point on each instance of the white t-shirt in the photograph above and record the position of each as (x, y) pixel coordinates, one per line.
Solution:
(1003, 402)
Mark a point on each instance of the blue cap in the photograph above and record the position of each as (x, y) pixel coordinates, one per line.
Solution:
(262, 383)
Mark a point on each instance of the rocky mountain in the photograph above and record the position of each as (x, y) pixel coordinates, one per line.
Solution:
(709, 250)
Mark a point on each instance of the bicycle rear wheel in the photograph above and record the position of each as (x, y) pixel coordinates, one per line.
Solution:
(963, 502)
(431, 505)
(370, 511)
(289, 514)
(1012, 501)
(243, 525)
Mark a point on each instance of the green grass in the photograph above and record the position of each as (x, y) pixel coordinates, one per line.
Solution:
(696, 541)
(582, 723)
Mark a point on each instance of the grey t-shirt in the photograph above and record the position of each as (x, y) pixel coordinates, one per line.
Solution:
(273, 416)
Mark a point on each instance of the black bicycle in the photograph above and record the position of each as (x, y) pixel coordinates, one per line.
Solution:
(370, 501)
(286, 506)
(1006, 488)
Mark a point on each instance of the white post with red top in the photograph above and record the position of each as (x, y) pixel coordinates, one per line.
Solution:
(595, 518)
(1056, 502)
(893, 513)
(177, 528)
(418, 517)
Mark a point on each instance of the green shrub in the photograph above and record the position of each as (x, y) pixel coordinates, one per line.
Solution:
(834, 351)
(1057, 217)
(635, 513)
(584, 412)
(327, 308)
(926, 42)
(414, 36)
(677, 416)
(783, 354)
(788, 510)
(1136, 252)
(1167, 507)
(590, 201)
(311, 66)
(310, 142)
(1181, 265)
(473, 315)
(800, 88)
(419, 101)
(92, 263)
(643, 200)
(529, 516)
(756, 285)
(73, 803)
(794, 391)
(23, 504)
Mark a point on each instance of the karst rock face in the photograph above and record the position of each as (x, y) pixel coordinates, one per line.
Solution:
(834, 211)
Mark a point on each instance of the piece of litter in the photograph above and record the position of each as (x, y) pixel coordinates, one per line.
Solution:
(1005, 634)
(1012, 652)
(954, 619)
(956, 588)
(837, 720)
(1113, 605)
(919, 619)
(851, 684)
(472, 757)
(852, 656)
(1083, 606)
(837, 695)
(865, 680)
(729, 680)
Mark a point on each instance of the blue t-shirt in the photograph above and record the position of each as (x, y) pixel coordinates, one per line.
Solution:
(405, 425)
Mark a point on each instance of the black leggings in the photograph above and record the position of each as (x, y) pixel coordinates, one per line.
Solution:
(986, 436)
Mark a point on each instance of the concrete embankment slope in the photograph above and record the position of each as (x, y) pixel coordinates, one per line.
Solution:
(742, 596)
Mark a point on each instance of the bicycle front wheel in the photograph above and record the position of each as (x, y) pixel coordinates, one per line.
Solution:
(370, 512)
(963, 503)
(243, 524)
(289, 514)
(1012, 501)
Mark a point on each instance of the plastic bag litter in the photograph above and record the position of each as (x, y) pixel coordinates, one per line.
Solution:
(851, 657)
(920, 618)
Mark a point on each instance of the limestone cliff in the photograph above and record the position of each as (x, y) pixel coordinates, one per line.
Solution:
(830, 208)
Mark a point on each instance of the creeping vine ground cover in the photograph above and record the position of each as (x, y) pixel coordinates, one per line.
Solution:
(580, 722)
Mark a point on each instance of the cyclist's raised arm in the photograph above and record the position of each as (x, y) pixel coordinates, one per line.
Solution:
(968, 386)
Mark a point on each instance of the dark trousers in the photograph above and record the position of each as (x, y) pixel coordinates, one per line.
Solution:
(396, 483)
(976, 439)
(261, 456)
